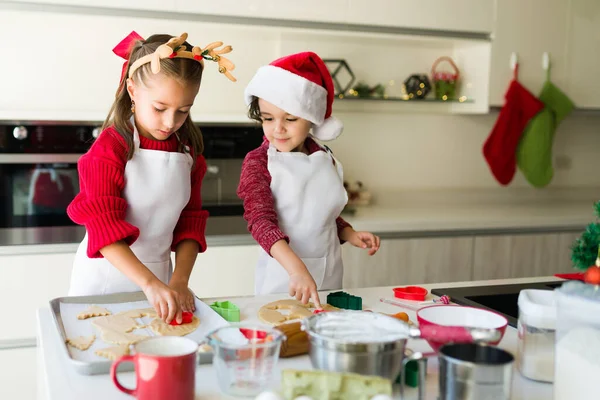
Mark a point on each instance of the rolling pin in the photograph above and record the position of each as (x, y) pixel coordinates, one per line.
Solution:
(297, 340)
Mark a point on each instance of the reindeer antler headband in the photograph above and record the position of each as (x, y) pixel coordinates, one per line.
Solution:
(175, 48)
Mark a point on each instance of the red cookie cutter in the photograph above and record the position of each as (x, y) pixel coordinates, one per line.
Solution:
(411, 293)
(186, 318)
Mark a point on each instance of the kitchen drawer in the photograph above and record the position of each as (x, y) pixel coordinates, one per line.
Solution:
(18, 374)
(409, 261)
(28, 283)
(224, 271)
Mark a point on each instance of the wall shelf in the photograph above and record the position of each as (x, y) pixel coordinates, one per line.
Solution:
(404, 100)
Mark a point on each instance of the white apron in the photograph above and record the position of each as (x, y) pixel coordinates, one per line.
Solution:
(157, 188)
(309, 195)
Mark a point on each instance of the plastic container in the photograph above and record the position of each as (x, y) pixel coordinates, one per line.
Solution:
(245, 357)
(577, 351)
(536, 337)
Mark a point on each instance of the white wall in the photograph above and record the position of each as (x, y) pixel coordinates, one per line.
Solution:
(390, 152)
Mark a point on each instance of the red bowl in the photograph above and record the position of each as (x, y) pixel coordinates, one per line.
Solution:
(454, 315)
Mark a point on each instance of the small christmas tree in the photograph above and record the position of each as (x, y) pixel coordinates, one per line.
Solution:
(585, 252)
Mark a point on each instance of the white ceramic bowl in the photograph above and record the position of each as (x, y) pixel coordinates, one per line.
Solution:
(468, 317)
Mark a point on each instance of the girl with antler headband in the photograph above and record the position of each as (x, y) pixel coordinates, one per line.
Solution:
(140, 181)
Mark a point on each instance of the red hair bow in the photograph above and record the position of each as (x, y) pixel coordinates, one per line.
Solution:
(123, 49)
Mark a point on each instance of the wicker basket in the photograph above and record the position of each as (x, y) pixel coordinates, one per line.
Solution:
(445, 83)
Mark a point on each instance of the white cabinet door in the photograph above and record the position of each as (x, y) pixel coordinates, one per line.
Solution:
(18, 374)
(584, 54)
(529, 28)
(519, 256)
(28, 283)
(161, 5)
(456, 15)
(224, 271)
(409, 261)
(307, 10)
(79, 74)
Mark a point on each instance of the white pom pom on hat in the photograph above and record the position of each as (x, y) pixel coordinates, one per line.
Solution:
(301, 85)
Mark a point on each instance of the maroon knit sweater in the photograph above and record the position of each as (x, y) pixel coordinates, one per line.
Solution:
(259, 206)
(100, 205)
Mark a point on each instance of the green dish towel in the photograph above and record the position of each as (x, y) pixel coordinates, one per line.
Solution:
(534, 153)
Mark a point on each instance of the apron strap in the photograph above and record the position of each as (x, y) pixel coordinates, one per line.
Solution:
(136, 135)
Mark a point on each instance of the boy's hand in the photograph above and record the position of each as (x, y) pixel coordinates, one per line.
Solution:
(364, 240)
(303, 288)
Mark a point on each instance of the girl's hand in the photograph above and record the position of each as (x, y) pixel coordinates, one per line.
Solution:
(185, 296)
(303, 287)
(164, 300)
(364, 240)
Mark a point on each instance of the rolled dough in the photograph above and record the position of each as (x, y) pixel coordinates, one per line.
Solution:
(271, 313)
(159, 327)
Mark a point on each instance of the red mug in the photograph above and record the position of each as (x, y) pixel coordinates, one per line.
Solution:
(165, 368)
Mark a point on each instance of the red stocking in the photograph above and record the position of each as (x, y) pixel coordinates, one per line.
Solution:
(500, 147)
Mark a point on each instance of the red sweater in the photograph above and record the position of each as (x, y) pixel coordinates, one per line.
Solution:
(100, 205)
(259, 205)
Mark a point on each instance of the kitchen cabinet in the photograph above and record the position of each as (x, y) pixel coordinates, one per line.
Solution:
(30, 282)
(223, 271)
(583, 55)
(307, 10)
(457, 15)
(409, 261)
(18, 377)
(531, 28)
(157, 5)
(518, 256)
(78, 81)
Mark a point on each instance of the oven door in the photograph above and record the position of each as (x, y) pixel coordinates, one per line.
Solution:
(35, 195)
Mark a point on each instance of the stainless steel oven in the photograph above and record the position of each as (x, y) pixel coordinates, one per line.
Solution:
(38, 170)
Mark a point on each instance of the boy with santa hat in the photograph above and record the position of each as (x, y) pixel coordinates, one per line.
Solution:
(291, 186)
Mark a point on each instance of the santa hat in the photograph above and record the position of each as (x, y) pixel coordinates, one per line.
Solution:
(301, 85)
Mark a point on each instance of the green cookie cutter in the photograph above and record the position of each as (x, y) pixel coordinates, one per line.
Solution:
(226, 309)
(344, 300)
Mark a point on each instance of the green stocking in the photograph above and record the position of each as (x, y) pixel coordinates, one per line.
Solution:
(534, 153)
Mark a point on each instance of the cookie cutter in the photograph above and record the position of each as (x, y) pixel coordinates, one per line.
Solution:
(344, 300)
(226, 309)
(416, 293)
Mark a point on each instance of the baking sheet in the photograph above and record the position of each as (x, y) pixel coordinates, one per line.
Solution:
(65, 312)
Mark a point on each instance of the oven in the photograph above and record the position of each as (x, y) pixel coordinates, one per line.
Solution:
(38, 170)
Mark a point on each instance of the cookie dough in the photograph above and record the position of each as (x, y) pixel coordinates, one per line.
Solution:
(271, 313)
(93, 311)
(113, 353)
(159, 327)
(81, 342)
(117, 328)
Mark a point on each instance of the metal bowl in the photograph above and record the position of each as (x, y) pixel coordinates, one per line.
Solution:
(357, 341)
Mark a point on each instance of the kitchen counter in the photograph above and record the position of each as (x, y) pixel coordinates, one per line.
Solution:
(57, 380)
(410, 214)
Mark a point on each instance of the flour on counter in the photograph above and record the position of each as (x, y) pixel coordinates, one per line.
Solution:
(577, 365)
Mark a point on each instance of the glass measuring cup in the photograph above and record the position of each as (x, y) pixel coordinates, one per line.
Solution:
(245, 355)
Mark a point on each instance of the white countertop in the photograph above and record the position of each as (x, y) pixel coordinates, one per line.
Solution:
(420, 213)
(58, 381)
